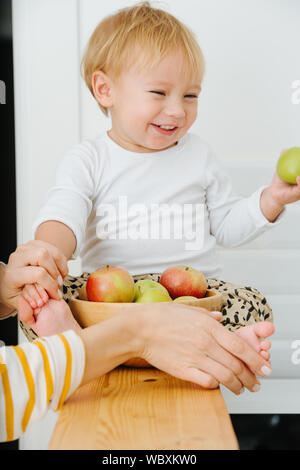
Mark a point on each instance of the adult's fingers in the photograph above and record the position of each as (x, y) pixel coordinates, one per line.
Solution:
(192, 374)
(35, 274)
(227, 361)
(238, 347)
(210, 376)
(231, 371)
(59, 258)
(38, 253)
(223, 375)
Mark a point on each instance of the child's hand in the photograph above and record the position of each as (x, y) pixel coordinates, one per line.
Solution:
(284, 193)
(36, 295)
(277, 195)
(34, 264)
(53, 318)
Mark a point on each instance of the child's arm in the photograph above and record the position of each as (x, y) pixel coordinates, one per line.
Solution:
(235, 220)
(59, 235)
(63, 218)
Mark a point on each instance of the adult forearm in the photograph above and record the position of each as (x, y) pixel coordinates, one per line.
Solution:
(57, 234)
(109, 344)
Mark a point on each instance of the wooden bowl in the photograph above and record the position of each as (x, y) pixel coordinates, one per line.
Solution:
(89, 313)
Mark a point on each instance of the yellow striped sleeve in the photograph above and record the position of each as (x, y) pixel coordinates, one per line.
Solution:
(68, 372)
(9, 406)
(30, 385)
(47, 369)
(35, 377)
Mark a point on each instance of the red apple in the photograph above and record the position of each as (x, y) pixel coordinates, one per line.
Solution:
(110, 284)
(184, 280)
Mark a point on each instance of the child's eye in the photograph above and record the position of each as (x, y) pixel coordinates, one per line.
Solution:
(163, 93)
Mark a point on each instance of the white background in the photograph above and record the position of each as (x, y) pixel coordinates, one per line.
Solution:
(246, 114)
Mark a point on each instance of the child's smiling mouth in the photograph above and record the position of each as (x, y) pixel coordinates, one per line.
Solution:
(162, 130)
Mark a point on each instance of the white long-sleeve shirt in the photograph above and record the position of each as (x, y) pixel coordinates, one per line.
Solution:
(148, 211)
(35, 377)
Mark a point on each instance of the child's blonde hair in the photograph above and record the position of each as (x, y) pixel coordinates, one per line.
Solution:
(112, 46)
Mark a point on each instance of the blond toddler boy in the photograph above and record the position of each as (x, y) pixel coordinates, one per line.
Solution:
(145, 69)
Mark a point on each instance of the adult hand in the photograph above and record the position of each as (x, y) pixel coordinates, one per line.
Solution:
(188, 343)
(35, 262)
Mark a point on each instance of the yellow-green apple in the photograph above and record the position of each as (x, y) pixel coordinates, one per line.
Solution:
(145, 284)
(110, 284)
(185, 297)
(288, 165)
(184, 280)
(153, 295)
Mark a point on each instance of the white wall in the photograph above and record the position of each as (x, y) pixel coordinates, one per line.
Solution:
(246, 113)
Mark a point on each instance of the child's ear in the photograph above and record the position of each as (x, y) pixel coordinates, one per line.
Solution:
(101, 88)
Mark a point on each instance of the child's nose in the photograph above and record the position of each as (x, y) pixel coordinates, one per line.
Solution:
(175, 109)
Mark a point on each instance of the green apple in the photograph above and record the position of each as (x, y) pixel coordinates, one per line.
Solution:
(288, 165)
(186, 297)
(153, 295)
(136, 292)
(140, 287)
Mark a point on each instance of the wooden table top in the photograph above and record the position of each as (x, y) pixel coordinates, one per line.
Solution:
(143, 409)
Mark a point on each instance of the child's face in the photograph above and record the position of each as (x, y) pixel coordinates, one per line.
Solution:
(141, 103)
